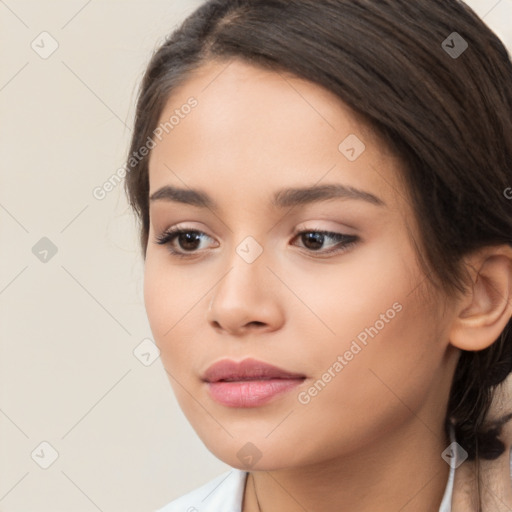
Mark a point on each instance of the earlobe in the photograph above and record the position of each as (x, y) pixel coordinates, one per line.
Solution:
(486, 308)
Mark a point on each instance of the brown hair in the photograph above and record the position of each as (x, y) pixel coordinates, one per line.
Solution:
(448, 117)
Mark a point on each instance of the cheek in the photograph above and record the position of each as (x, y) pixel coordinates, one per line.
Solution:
(377, 332)
(165, 299)
(379, 382)
(365, 293)
(174, 300)
(156, 297)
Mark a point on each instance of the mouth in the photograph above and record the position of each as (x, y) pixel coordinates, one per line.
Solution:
(249, 369)
(249, 383)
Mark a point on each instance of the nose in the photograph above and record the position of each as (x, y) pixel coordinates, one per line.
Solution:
(247, 298)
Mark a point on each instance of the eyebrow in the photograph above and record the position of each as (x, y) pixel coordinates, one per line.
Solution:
(284, 198)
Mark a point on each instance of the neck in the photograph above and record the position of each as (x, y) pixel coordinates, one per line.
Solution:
(403, 471)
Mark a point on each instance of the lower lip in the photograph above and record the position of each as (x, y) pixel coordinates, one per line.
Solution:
(250, 393)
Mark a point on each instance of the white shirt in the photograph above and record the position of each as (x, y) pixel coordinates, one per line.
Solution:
(225, 494)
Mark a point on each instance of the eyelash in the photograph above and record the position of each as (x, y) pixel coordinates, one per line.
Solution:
(345, 241)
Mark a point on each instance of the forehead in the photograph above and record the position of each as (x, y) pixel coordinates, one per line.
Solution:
(253, 128)
(235, 94)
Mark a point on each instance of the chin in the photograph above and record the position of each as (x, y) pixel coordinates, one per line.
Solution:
(253, 452)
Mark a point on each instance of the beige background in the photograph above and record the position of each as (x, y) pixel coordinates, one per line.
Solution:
(69, 326)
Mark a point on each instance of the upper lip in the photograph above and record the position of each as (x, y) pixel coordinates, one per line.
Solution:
(248, 369)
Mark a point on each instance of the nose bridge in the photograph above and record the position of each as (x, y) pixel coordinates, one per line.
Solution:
(250, 250)
(245, 294)
(247, 269)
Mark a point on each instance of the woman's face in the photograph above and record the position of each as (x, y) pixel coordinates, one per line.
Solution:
(349, 315)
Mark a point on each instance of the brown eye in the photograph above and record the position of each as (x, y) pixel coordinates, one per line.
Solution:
(314, 240)
(188, 240)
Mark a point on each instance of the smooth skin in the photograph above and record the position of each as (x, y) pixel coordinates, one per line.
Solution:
(372, 438)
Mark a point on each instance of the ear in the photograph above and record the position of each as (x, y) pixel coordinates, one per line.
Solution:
(485, 309)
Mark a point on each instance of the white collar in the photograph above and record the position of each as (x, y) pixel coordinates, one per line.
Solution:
(446, 504)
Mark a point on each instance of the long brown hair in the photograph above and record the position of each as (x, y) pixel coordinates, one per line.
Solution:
(440, 101)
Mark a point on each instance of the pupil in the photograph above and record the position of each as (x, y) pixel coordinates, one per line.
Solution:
(187, 238)
(317, 239)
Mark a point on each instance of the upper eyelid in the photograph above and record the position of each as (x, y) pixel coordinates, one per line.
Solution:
(296, 231)
(343, 242)
(174, 231)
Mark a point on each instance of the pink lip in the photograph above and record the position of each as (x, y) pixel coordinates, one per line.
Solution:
(249, 383)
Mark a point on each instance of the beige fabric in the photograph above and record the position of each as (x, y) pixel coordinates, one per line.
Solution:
(496, 488)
